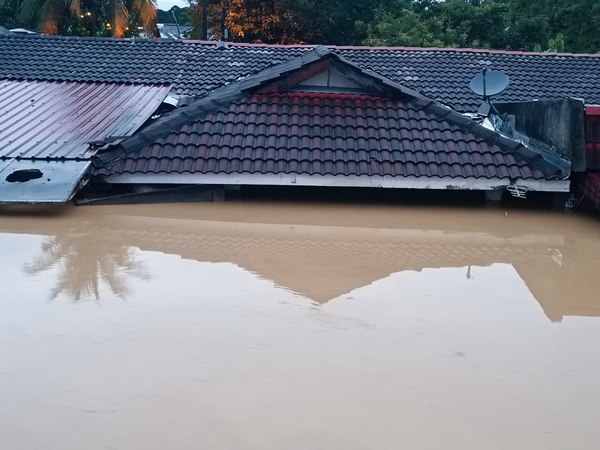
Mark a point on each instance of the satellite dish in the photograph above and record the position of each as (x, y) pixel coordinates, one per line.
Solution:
(489, 83)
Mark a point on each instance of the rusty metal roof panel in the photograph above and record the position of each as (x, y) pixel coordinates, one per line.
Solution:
(57, 119)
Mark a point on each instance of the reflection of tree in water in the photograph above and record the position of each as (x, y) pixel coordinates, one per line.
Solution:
(85, 261)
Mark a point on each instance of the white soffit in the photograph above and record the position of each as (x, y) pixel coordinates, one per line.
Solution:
(474, 184)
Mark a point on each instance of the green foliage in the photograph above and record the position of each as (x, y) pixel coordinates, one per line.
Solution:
(338, 22)
(290, 21)
(9, 13)
(577, 20)
(556, 25)
(119, 18)
(557, 44)
(408, 28)
(183, 15)
(534, 25)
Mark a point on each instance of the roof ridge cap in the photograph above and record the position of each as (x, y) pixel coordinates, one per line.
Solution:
(313, 46)
(395, 48)
(212, 101)
(226, 94)
(461, 50)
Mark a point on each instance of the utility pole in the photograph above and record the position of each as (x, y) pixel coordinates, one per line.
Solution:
(205, 20)
(177, 24)
(224, 30)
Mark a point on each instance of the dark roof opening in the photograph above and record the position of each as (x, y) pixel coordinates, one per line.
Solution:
(24, 175)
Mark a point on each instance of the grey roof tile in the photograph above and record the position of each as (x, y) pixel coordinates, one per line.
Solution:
(195, 68)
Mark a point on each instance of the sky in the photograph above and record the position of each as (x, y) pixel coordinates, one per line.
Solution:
(168, 4)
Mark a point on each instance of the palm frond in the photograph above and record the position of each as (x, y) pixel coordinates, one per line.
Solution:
(120, 15)
(74, 6)
(50, 16)
(146, 12)
(30, 10)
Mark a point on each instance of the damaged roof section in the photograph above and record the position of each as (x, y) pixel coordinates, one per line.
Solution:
(46, 128)
(262, 125)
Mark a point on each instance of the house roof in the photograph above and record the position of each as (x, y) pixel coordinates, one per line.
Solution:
(195, 68)
(46, 127)
(328, 134)
(250, 127)
(57, 120)
(173, 31)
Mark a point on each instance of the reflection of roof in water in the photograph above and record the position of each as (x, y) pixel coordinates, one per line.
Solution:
(323, 260)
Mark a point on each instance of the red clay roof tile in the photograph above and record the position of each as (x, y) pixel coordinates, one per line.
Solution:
(373, 148)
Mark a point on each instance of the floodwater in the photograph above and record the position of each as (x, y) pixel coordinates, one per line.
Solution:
(299, 326)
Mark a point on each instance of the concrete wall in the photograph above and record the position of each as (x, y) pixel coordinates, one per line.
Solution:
(559, 123)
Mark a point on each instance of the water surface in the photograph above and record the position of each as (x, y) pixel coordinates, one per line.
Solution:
(298, 326)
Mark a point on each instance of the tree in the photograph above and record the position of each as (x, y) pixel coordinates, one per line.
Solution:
(577, 20)
(338, 22)
(117, 17)
(405, 29)
(85, 259)
(557, 44)
(261, 21)
(482, 25)
(182, 14)
(494, 24)
(9, 13)
(289, 21)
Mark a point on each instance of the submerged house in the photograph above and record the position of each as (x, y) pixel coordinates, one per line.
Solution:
(215, 115)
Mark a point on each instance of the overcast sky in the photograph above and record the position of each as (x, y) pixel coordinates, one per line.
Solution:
(167, 4)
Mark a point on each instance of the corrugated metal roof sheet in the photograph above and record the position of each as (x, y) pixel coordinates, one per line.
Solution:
(40, 181)
(56, 120)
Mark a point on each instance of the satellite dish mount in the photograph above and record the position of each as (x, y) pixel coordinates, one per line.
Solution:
(487, 84)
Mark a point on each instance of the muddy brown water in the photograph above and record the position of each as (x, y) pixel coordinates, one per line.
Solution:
(298, 326)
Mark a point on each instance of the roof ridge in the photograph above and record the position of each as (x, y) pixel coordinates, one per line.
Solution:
(228, 93)
(312, 46)
(213, 101)
(464, 50)
(71, 82)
